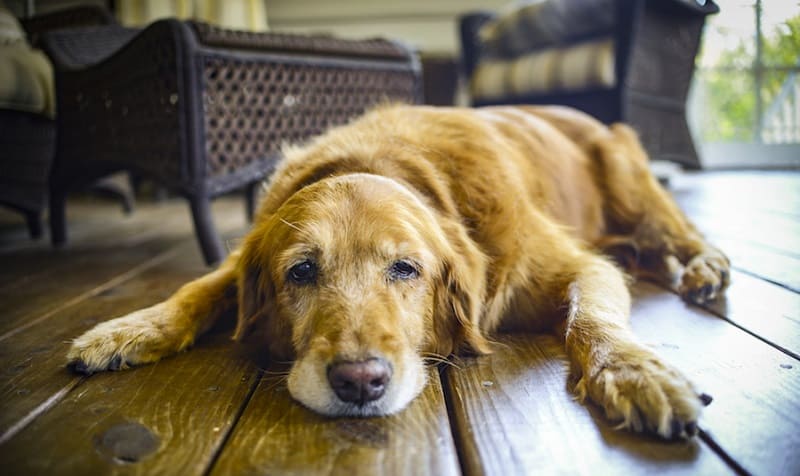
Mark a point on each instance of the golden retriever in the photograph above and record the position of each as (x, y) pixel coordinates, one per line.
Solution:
(416, 232)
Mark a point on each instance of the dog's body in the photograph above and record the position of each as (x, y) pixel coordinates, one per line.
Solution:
(415, 232)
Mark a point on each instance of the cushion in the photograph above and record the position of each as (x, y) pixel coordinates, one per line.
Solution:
(537, 24)
(26, 75)
(582, 66)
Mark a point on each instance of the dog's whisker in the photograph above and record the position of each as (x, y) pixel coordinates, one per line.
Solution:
(438, 359)
(275, 382)
(275, 372)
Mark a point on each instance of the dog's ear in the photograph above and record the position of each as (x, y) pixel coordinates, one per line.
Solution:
(460, 293)
(252, 297)
(256, 299)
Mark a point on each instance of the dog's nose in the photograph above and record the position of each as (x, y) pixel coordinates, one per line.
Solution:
(360, 382)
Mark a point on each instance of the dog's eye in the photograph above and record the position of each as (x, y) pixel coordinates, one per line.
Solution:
(304, 272)
(403, 270)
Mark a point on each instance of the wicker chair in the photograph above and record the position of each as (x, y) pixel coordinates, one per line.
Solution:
(204, 110)
(655, 43)
(27, 139)
(27, 142)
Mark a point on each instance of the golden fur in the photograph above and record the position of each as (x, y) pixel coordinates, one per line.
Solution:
(427, 229)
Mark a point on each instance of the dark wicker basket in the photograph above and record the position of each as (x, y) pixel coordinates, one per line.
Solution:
(204, 110)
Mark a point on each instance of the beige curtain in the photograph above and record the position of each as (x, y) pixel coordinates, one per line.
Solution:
(236, 14)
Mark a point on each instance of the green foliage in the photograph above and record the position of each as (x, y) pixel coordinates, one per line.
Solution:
(731, 106)
(730, 93)
(782, 48)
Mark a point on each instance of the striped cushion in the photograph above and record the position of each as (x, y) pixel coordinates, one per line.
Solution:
(538, 24)
(582, 66)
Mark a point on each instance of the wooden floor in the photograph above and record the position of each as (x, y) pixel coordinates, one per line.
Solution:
(222, 409)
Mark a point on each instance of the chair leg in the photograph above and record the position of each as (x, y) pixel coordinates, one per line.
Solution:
(34, 220)
(117, 187)
(207, 237)
(58, 224)
(250, 195)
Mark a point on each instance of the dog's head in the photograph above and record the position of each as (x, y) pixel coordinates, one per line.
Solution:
(356, 280)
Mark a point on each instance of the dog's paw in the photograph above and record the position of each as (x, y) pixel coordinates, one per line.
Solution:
(704, 278)
(140, 337)
(644, 394)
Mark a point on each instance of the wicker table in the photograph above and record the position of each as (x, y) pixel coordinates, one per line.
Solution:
(204, 110)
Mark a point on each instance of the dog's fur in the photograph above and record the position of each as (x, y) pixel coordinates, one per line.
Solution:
(499, 217)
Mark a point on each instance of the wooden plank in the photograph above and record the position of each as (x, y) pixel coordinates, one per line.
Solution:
(512, 414)
(755, 416)
(508, 405)
(86, 217)
(149, 420)
(764, 309)
(51, 294)
(753, 216)
(774, 267)
(66, 277)
(276, 435)
(776, 233)
(96, 230)
(34, 359)
(167, 418)
(759, 192)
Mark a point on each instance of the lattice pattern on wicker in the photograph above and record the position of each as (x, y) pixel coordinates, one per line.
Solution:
(252, 108)
(116, 102)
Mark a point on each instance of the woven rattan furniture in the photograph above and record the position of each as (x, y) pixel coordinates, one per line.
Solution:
(27, 142)
(205, 110)
(27, 139)
(655, 43)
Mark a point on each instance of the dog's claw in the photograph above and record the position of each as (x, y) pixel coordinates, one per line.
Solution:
(706, 399)
(677, 429)
(681, 431)
(116, 363)
(79, 367)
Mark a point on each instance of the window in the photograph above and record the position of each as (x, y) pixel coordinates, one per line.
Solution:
(744, 107)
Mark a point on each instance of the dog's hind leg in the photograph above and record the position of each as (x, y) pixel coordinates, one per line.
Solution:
(637, 207)
(147, 335)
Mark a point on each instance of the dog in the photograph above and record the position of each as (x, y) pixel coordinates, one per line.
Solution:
(415, 233)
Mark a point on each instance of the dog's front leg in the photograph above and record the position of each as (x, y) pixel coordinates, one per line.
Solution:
(147, 335)
(630, 382)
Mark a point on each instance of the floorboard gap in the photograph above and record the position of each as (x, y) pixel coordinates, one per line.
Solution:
(711, 310)
(239, 412)
(455, 431)
(764, 278)
(163, 256)
(734, 465)
(39, 410)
